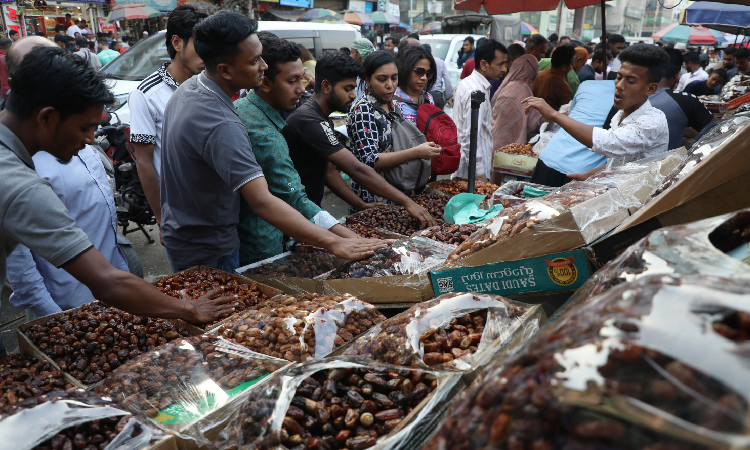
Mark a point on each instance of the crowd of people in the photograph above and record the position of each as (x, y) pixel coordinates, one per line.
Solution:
(235, 146)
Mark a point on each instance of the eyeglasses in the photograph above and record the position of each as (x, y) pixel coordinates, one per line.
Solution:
(421, 71)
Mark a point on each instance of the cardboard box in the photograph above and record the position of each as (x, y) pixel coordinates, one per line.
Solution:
(555, 272)
(514, 164)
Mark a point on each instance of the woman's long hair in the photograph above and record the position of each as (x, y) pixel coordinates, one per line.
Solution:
(409, 60)
(305, 54)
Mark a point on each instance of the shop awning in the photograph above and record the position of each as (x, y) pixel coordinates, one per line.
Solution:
(291, 15)
(159, 5)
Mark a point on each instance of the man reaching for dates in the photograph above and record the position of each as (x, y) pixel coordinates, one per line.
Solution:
(638, 130)
(56, 104)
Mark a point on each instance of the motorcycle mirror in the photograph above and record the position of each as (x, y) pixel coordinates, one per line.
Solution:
(125, 167)
(106, 117)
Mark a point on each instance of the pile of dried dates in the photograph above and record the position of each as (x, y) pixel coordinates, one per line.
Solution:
(91, 341)
(96, 434)
(390, 218)
(301, 265)
(339, 409)
(450, 233)
(366, 232)
(197, 283)
(435, 203)
(302, 327)
(519, 149)
(405, 257)
(23, 376)
(458, 186)
(157, 379)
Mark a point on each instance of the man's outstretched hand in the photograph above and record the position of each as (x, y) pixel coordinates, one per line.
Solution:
(420, 212)
(356, 249)
(540, 105)
(211, 307)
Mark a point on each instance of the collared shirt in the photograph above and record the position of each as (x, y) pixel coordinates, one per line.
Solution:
(147, 104)
(408, 111)
(258, 238)
(732, 72)
(89, 57)
(698, 75)
(82, 186)
(106, 56)
(643, 133)
(206, 159)
(30, 212)
(72, 30)
(462, 117)
(443, 79)
(463, 57)
(682, 110)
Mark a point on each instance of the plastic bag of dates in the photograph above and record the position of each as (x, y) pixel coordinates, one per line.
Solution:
(92, 340)
(23, 376)
(187, 379)
(512, 193)
(195, 283)
(454, 331)
(405, 257)
(74, 419)
(297, 328)
(449, 233)
(341, 403)
(299, 265)
(459, 185)
(658, 363)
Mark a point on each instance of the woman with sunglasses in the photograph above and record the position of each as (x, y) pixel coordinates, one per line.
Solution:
(417, 74)
(370, 120)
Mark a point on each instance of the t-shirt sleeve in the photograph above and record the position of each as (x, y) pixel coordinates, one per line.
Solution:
(321, 138)
(142, 123)
(38, 219)
(229, 153)
(700, 116)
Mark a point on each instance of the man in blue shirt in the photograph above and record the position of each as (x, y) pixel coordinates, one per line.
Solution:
(712, 86)
(467, 51)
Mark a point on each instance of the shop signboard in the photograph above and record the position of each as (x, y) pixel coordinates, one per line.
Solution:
(297, 3)
(10, 13)
(106, 27)
(369, 7)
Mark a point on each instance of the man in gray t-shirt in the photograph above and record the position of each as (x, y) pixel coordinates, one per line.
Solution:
(56, 105)
(207, 160)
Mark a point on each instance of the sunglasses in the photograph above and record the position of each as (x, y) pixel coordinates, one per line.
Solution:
(421, 71)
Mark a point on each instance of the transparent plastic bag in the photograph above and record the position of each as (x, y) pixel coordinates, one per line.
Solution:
(653, 364)
(186, 380)
(449, 233)
(511, 193)
(300, 265)
(23, 376)
(738, 86)
(404, 257)
(74, 419)
(341, 402)
(454, 331)
(309, 326)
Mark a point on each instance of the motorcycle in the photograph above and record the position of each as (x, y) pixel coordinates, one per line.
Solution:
(113, 137)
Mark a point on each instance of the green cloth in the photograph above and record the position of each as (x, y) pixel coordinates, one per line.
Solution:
(571, 77)
(258, 238)
(106, 56)
(464, 209)
(531, 192)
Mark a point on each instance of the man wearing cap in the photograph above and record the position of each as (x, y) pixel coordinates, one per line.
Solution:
(145, 35)
(361, 49)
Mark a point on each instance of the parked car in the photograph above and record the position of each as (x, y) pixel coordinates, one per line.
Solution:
(446, 47)
(127, 71)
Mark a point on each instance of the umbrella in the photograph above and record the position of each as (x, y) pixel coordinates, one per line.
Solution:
(355, 17)
(402, 27)
(686, 34)
(131, 11)
(330, 20)
(528, 29)
(719, 16)
(432, 28)
(316, 13)
(380, 17)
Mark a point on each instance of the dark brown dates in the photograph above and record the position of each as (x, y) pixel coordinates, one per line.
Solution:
(24, 376)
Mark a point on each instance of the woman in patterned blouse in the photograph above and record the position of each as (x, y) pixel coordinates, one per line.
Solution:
(370, 120)
(417, 74)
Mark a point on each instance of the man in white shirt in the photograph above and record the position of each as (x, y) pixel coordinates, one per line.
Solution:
(638, 130)
(73, 29)
(490, 57)
(148, 101)
(695, 71)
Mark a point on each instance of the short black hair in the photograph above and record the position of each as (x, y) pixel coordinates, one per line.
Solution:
(653, 58)
(553, 37)
(427, 47)
(345, 51)
(730, 51)
(742, 53)
(76, 22)
(409, 60)
(692, 57)
(5, 44)
(413, 36)
(82, 42)
(721, 72)
(12, 33)
(515, 51)
(60, 29)
(616, 39)
(564, 37)
(275, 51)
(470, 39)
(534, 40)
(70, 39)
(180, 23)
(599, 56)
(486, 51)
(92, 45)
(335, 67)
(103, 42)
(563, 55)
(50, 76)
(374, 61)
(395, 40)
(218, 37)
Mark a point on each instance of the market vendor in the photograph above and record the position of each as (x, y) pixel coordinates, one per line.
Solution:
(638, 130)
(208, 160)
(56, 103)
(280, 90)
(317, 153)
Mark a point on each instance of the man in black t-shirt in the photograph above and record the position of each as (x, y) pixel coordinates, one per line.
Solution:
(317, 153)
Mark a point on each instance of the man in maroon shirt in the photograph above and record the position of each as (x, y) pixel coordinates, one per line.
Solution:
(5, 44)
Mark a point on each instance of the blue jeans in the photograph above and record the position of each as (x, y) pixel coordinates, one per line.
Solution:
(226, 263)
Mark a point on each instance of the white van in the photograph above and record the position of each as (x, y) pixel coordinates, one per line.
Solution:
(127, 71)
(446, 47)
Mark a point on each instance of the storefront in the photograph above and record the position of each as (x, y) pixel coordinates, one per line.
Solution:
(45, 17)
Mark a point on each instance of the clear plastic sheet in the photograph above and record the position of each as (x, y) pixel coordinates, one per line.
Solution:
(738, 86)
(459, 185)
(454, 331)
(652, 364)
(511, 193)
(300, 265)
(23, 376)
(74, 419)
(186, 380)
(309, 326)
(449, 233)
(404, 257)
(342, 403)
